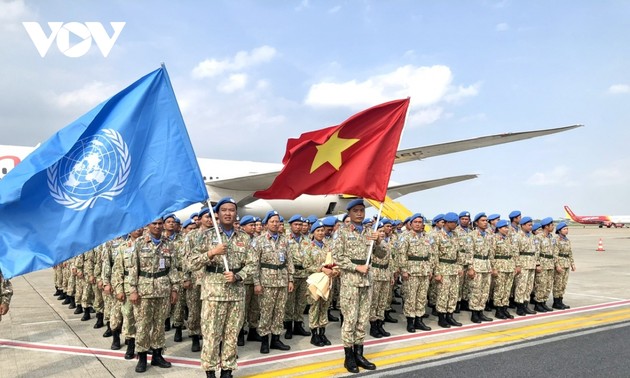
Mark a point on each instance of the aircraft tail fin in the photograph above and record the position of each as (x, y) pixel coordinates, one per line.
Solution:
(570, 213)
(391, 209)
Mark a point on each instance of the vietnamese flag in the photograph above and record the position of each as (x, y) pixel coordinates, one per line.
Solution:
(355, 157)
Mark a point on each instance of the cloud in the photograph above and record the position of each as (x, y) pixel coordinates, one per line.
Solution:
(334, 9)
(558, 176)
(12, 10)
(233, 83)
(619, 88)
(611, 174)
(240, 61)
(90, 95)
(502, 27)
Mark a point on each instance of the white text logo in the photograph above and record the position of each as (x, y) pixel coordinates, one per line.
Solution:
(85, 32)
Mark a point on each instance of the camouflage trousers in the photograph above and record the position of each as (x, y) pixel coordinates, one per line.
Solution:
(335, 290)
(543, 283)
(115, 313)
(447, 294)
(523, 285)
(97, 298)
(129, 320)
(87, 293)
(221, 324)
(502, 287)
(432, 295)
(150, 314)
(464, 284)
(272, 303)
(58, 276)
(478, 290)
(390, 295)
(252, 309)
(177, 313)
(381, 290)
(79, 288)
(560, 282)
(355, 307)
(414, 292)
(296, 301)
(193, 301)
(65, 274)
(107, 308)
(318, 312)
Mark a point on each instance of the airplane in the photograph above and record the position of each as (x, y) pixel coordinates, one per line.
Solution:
(240, 179)
(602, 220)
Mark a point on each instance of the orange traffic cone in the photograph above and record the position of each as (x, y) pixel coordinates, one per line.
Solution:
(600, 246)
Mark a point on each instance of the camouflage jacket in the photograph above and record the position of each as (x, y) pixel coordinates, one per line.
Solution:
(465, 240)
(151, 272)
(481, 245)
(503, 254)
(527, 250)
(565, 254)
(120, 271)
(415, 254)
(92, 264)
(297, 249)
(272, 264)
(446, 246)
(382, 268)
(109, 252)
(548, 251)
(213, 284)
(316, 256)
(350, 249)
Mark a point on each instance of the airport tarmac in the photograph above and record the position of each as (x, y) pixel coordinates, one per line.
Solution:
(41, 338)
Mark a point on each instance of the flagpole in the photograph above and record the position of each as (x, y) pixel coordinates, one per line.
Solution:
(216, 228)
(378, 219)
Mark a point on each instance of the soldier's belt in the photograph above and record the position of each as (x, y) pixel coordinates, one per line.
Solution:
(358, 261)
(154, 275)
(448, 261)
(380, 266)
(298, 267)
(272, 266)
(480, 257)
(546, 256)
(220, 269)
(503, 257)
(418, 258)
(527, 253)
(564, 255)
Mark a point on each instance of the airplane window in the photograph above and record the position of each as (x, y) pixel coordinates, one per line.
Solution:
(4, 171)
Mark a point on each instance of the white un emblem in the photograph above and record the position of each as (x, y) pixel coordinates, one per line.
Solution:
(97, 167)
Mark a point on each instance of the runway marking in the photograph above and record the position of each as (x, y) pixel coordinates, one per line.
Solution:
(597, 296)
(44, 322)
(336, 349)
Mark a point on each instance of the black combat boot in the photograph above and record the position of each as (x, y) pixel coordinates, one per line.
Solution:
(264, 345)
(464, 305)
(62, 296)
(544, 305)
(489, 305)
(315, 339)
(210, 374)
(331, 317)
(322, 336)
(451, 320)
(564, 307)
(178, 335)
(195, 347)
(506, 312)
(78, 309)
(528, 310)
(419, 324)
(131, 349)
(350, 363)
(167, 324)
(253, 335)
(520, 309)
(289, 327)
(58, 292)
(442, 320)
(108, 331)
(538, 307)
(158, 360)
(67, 299)
(71, 303)
(277, 344)
(483, 316)
(388, 317)
(99, 320)
(410, 326)
(379, 325)
(512, 304)
(86, 314)
(458, 307)
(374, 332)
(499, 313)
(226, 373)
(240, 341)
(298, 329)
(434, 311)
(141, 367)
(116, 340)
(474, 317)
(362, 361)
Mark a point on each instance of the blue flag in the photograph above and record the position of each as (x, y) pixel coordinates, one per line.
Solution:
(116, 169)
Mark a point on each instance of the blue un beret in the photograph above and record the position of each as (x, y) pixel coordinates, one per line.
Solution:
(493, 217)
(203, 211)
(311, 219)
(560, 226)
(222, 202)
(247, 219)
(316, 225)
(408, 219)
(525, 220)
(464, 214)
(271, 213)
(482, 214)
(413, 217)
(438, 218)
(366, 221)
(194, 215)
(514, 214)
(386, 221)
(330, 221)
(187, 223)
(296, 218)
(355, 202)
(171, 215)
(502, 223)
(450, 217)
(396, 222)
(257, 219)
(537, 225)
(546, 221)
(281, 219)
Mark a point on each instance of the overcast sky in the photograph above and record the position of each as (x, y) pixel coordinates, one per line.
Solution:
(251, 74)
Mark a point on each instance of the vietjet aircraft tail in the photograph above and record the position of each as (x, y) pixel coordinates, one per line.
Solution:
(570, 213)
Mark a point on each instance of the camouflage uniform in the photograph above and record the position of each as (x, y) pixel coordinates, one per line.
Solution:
(447, 250)
(417, 259)
(195, 276)
(113, 308)
(564, 261)
(543, 281)
(315, 259)
(79, 277)
(223, 307)
(6, 292)
(177, 311)
(350, 249)
(273, 270)
(153, 277)
(433, 285)
(92, 270)
(465, 258)
(502, 259)
(382, 272)
(252, 308)
(479, 286)
(527, 258)
(122, 285)
(296, 300)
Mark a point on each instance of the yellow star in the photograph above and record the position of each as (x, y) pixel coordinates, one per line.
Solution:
(331, 151)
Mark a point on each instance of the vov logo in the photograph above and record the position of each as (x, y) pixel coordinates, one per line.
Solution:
(61, 32)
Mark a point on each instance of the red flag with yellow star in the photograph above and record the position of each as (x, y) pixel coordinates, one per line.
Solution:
(355, 157)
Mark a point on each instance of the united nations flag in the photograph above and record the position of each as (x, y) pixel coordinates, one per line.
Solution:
(109, 172)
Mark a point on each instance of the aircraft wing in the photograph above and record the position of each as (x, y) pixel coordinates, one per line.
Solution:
(249, 183)
(419, 153)
(400, 190)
